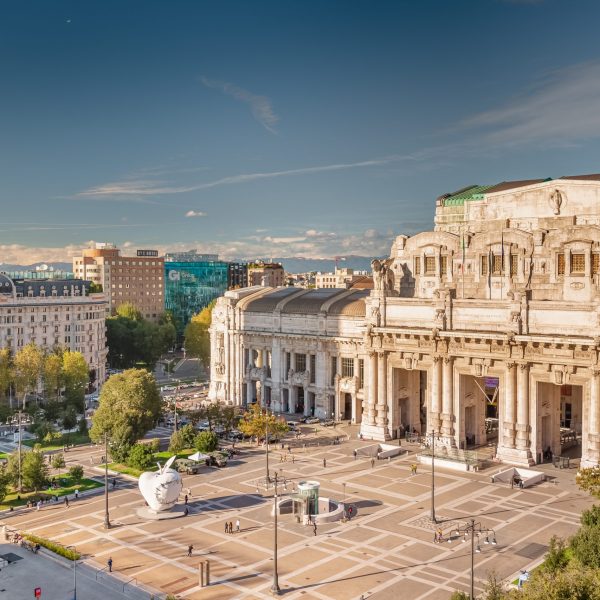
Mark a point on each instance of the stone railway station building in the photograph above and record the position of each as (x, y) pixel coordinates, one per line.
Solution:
(485, 330)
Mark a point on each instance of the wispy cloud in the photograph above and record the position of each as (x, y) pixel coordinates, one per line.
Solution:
(562, 107)
(142, 188)
(261, 107)
(195, 213)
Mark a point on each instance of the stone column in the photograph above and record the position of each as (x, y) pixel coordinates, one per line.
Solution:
(594, 419)
(372, 398)
(435, 403)
(447, 397)
(523, 407)
(381, 419)
(510, 398)
(249, 395)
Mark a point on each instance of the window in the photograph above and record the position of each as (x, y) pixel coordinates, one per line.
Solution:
(595, 263)
(429, 265)
(443, 265)
(288, 363)
(496, 264)
(484, 265)
(514, 264)
(347, 367)
(578, 264)
(560, 264)
(313, 368)
(417, 265)
(333, 369)
(300, 362)
(361, 373)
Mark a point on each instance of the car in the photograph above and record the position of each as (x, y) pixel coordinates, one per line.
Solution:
(312, 420)
(293, 424)
(328, 423)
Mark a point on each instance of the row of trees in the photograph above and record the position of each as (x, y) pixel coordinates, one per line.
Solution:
(59, 372)
(133, 340)
(197, 338)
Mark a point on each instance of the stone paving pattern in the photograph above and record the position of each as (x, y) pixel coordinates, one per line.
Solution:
(386, 552)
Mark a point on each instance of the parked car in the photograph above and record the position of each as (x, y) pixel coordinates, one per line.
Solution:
(293, 425)
(312, 420)
(189, 467)
(328, 423)
(218, 459)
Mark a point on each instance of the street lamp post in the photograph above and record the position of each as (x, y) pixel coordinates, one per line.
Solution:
(475, 529)
(275, 589)
(106, 516)
(74, 574)
(19, 421)
(268, 478)
(433, 519)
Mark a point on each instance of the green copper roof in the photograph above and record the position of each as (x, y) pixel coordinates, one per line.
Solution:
(474, 192)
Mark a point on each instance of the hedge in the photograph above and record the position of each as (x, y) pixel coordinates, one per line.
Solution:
(53, 546)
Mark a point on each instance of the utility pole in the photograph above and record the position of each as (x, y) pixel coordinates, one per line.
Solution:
(106, 517)
(275, 589)
(433, 519)
(267, 444)
(472, 526)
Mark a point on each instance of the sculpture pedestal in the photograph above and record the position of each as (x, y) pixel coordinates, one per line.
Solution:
(145, 513)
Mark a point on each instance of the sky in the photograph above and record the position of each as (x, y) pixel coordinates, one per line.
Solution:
(279, 128)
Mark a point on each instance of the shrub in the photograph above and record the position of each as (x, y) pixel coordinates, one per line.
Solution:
(206, 441)
(53, 546)
(176, 443)
(82, 426)
(154, 444)
(76, 472)
(459, 596)
(188, 435)
(557, 558)
(140, 456)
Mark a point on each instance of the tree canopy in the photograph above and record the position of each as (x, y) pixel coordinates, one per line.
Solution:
(197, 338)
(257, 421)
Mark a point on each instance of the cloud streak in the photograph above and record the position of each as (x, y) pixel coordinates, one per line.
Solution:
(260, 106)
(195, 213)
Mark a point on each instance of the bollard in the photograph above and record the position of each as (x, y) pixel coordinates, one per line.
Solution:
(207, 572)
(201, 574)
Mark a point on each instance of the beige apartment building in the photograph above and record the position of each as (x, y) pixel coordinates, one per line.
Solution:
(269, 274)
(342, 278)
(136, 279)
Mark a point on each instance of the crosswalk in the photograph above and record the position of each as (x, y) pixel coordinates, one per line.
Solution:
(159, 432)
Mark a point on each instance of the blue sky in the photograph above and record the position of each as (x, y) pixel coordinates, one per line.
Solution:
(284, 128)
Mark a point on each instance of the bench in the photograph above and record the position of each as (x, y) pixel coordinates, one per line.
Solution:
(561, 462)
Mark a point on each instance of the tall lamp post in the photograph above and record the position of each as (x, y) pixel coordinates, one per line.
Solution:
(275, 589)
(268, 478)
(74, 574)
(19, 420)
(432, 435)
(106, 516)
(475, 529)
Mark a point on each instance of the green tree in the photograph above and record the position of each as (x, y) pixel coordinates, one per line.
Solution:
(493, 589)
(34, 471)
(459, 596)
(206, 441)
(256, 422)
(557, 557)
(76, 377)
(76, 472)
(128, 408)
(58, 462)
(176, 442)
(82, 426)
(140, 456)
(129, 311)
(585, 544)
(53, 375)
(95, 288)
(6, 372)
(197, 338)
(589, 480)
(28, 366)
(4, 482)
(42, 429)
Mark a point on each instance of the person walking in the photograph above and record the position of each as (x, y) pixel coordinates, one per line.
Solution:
(76, 494)
(114, 482)
(230, 526)
(237, 525)
(314, 528)
(413, 469)
(293, 458)
(355, 453)
(109, 563)
(324, 464)
(190, 549)
(39, 504)
(185, 499)
(372, 462)
(226, 527)
(66, 501)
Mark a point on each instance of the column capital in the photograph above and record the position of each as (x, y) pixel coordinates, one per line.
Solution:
(448, 359)
(435, 358)
(510, 365)
(595, 371)
(523, 366)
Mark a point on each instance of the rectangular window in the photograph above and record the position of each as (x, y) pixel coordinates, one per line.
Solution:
(430, 265)
(595, 263)
(347, 367)
(578, 264)
(443, 265)
(313, 368)
(496, 264)
(417, 265)
(361, 373)
(300, 362)
(560, 270)
(288, 363)
(484, 265)
(333, 369)
(514, 264)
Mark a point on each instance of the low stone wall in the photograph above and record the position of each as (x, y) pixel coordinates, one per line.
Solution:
(528, 476)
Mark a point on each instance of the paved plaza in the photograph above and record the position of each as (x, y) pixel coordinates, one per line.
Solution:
(386, 552)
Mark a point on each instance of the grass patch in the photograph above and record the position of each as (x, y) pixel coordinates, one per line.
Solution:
(59, 443)
(68, 487)
(53, 546)
(161, 457)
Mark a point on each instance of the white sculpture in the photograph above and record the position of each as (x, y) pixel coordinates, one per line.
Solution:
(161, 489)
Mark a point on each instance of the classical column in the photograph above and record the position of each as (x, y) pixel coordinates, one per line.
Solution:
(372, 398)
(447, 397)
(510, 397)
(594, 419)
(382, 390)
(249, 389)
(434, 416)
(523, 407)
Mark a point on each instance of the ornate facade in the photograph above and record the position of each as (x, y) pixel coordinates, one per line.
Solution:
(485, 330)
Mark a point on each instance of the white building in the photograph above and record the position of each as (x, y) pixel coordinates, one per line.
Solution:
(484, 330)
(54, 312)
(340, 278)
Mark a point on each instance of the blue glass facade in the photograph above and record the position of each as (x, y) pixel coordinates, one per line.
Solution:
(192, 285)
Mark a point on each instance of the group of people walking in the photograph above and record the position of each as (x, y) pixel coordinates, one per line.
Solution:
(229, 526)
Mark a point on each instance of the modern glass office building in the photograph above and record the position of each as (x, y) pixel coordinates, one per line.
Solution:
(192, 281)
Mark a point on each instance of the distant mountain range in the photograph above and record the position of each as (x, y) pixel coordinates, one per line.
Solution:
(290, 264)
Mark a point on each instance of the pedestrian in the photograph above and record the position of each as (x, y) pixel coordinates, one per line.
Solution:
(324, 463)
(109, 563)
(190, 549)
(413, 469)
(76, 494)
(114, 482)
(372, 462)
(66, 501)
(186, 511)
(230, 526)
(355, 453)
(521, 486)
(289, 448)
(226, 527)
(281, 458)
(185, 499)
(237, 525)
(39, 504)
(314, 528)
(293, 458)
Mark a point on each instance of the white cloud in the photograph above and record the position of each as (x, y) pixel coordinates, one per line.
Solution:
(195, 213)
(260, 106)
(561, 107)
